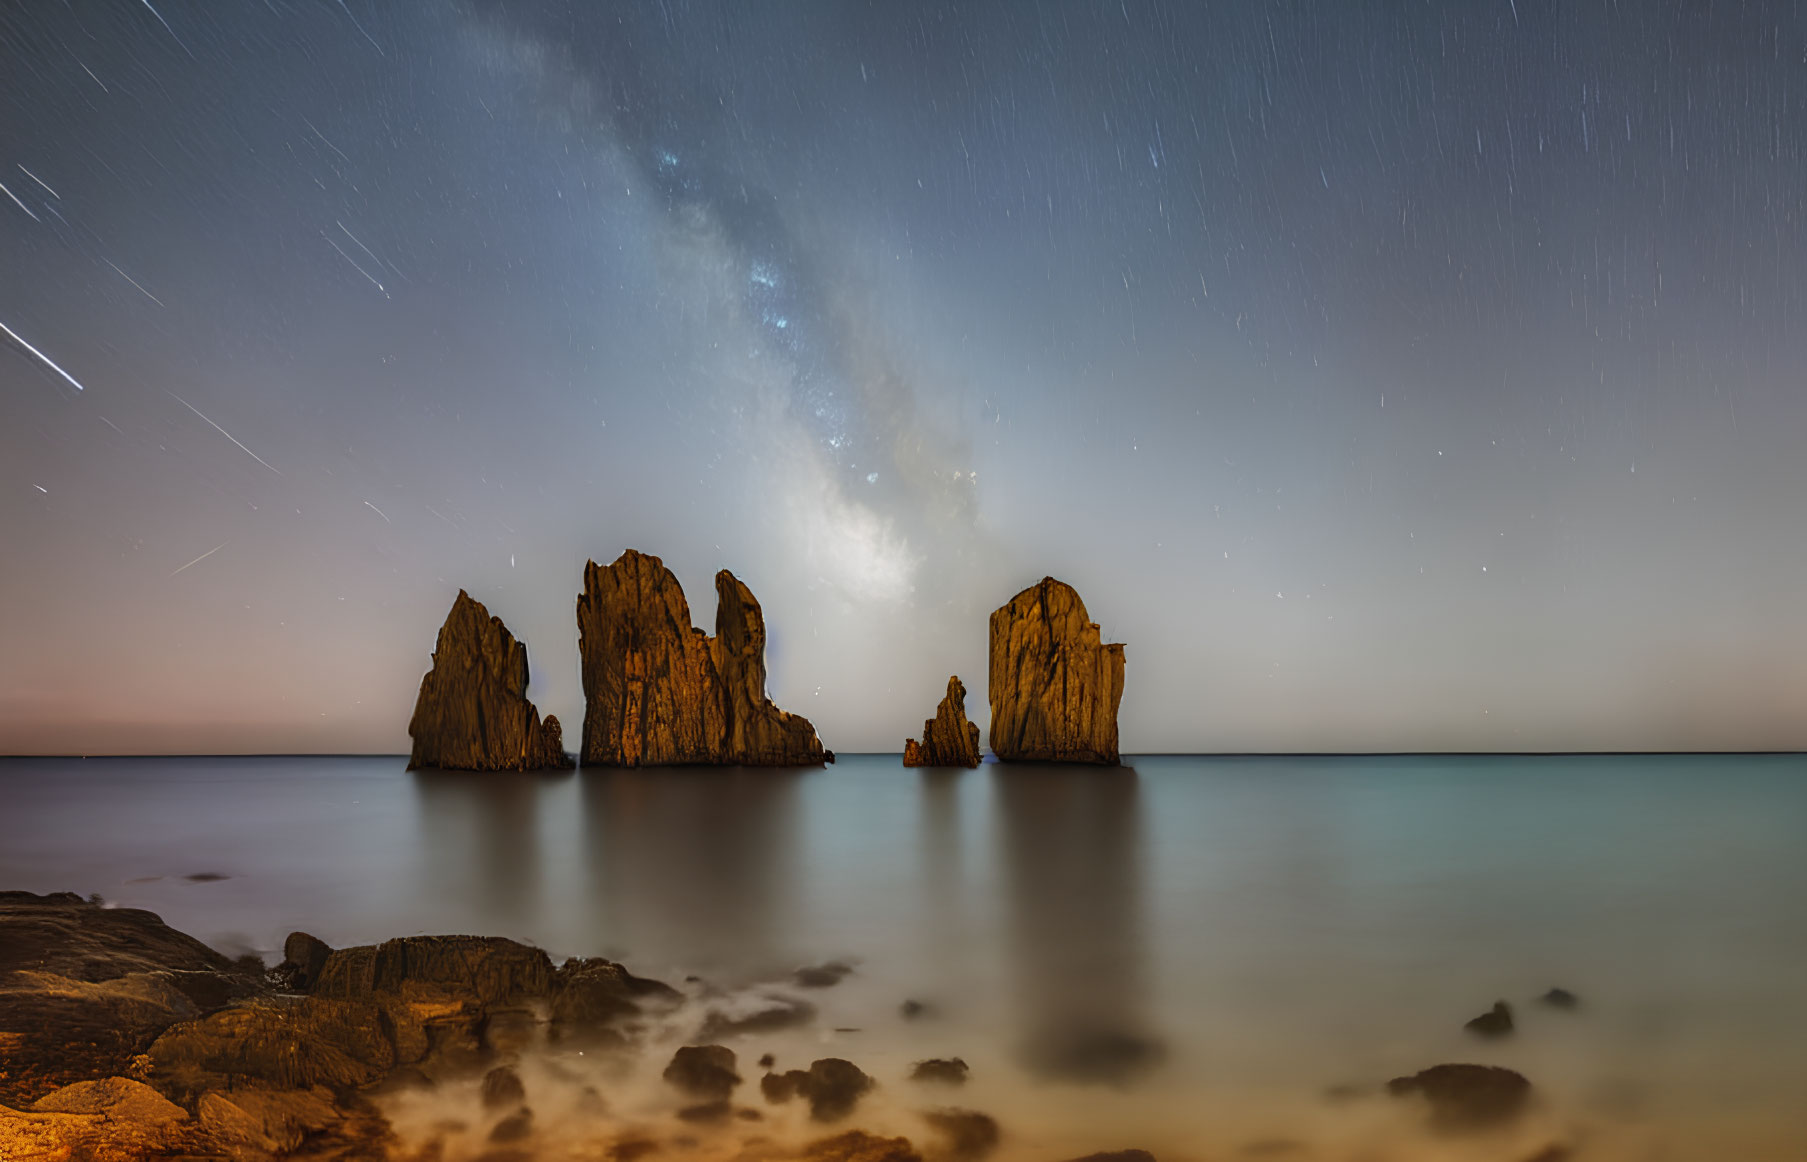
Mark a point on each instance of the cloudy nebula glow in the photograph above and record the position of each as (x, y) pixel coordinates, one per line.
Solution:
(1387, 376)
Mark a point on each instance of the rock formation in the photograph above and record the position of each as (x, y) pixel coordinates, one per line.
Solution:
(948, 739)
(1055, 685)
(658, 691)
(473, 713)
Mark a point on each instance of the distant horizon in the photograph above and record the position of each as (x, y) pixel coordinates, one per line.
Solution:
(988, 760)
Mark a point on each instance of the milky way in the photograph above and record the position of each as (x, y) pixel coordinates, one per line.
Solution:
(1386, 376)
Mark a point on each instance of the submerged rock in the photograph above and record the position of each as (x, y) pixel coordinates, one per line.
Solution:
(1467, 1097)
(821, 976)
(473, 713)
(950, 1070)
(1055, 685)
(1560, 998)
(659, 692)
(948, 739)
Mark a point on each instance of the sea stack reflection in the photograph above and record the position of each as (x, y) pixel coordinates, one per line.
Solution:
(1055, 684)
(948, 739)
(473, 713)
(659, 692)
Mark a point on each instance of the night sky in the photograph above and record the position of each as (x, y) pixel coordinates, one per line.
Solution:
(1387, 376)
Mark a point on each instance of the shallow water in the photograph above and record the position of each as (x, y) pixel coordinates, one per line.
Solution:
(1182, 955)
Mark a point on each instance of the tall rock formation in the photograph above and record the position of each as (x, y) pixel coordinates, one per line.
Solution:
(659, 692)
(473, 713)
(948, 739)
(1055, 685)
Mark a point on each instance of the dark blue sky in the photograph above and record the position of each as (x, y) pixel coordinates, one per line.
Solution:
(1387, 376)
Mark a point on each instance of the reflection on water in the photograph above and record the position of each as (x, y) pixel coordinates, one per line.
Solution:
(690, 866)
(480, 839)
(1182, 955)
(1071, 838)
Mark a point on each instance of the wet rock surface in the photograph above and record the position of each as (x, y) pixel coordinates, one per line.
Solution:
(659, 692)
(472, 713)
(1055, 685)
(948, 739)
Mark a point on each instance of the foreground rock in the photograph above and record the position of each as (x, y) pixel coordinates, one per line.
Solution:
(121, 1038)
(660, 692)
(84, 989)
(473, 713)
(1467, 1097)
(948, 739)
(1055, 685)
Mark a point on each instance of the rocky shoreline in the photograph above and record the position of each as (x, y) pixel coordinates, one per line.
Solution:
(122, 1038)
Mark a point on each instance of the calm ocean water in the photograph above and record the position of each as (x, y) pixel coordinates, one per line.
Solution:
(1183, 955)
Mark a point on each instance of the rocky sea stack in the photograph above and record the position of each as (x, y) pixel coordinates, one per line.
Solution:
(1055, 685)
(948, 739)
(659, 692)
(473, 713)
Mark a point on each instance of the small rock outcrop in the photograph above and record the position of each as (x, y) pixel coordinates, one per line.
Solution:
(1055, 684)
(473, 713)
(1495, 1022)
(948, 739)
(660, 692)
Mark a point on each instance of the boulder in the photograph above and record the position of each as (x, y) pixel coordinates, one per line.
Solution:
(1467, 1097)
(660, 692)
(704, 1071)
(285, 1043)
(1055, 686)
(591, 997)
(948, 739)
(472, 713)
(967, 1134)
(503, 1090)
(831, 1086)
(303, 957)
